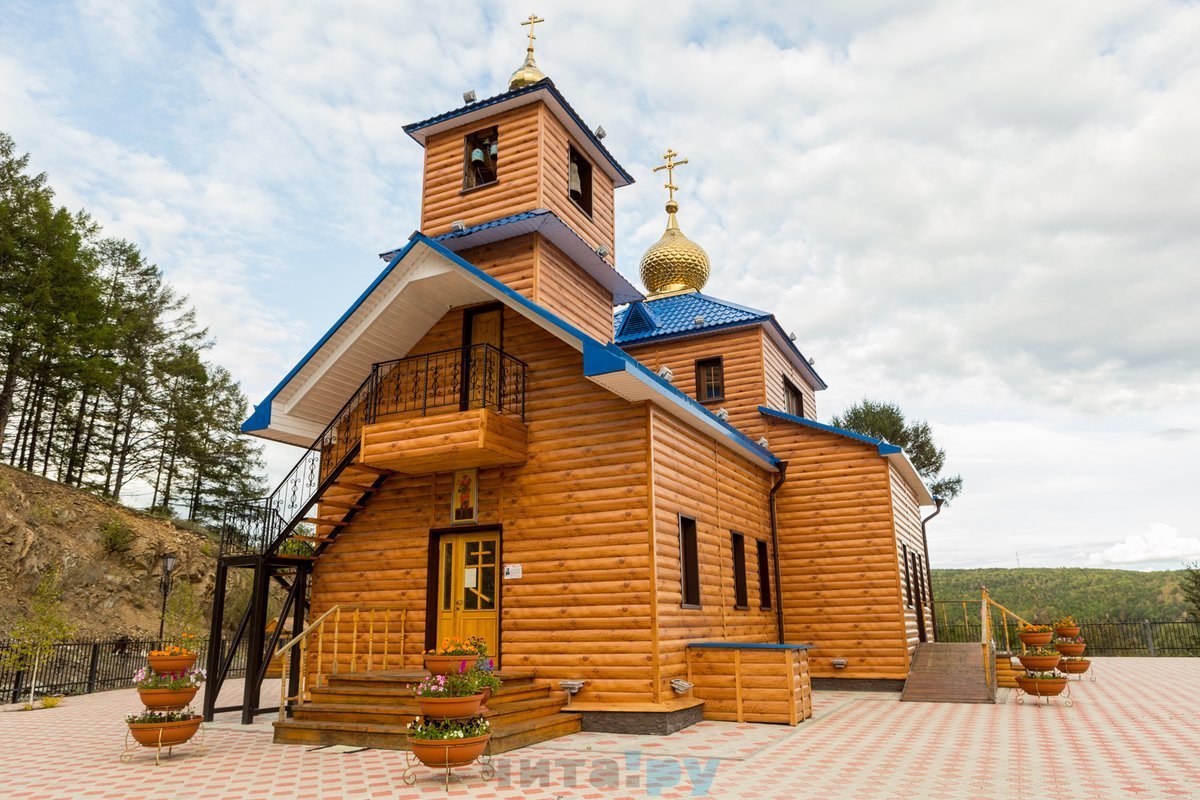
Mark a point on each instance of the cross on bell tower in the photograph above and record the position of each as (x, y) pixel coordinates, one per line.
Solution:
(528, 73)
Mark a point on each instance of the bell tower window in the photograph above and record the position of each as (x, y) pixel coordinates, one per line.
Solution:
(580, 180)
(481, 154)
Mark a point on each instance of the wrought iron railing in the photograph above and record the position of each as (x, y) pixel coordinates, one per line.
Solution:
(480, 376)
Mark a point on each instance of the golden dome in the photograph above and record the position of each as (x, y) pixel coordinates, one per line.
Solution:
(526, 74)
(674, 263)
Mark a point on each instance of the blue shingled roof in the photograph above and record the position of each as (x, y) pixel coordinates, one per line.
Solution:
(679, 314)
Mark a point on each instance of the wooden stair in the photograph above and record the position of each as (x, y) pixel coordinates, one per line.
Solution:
(372, 709)
(1007, 670)
(330, 512)
(944, 672)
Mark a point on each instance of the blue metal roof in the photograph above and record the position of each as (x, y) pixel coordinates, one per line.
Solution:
(545, 84)
(598, 358)
(678, 315)
(884, 447)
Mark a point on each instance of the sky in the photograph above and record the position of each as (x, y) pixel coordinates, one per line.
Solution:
(988, 213)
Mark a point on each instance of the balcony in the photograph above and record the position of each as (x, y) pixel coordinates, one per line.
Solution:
(454, 409)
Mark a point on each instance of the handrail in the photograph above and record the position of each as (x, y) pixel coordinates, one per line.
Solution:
(317, 627)
(476, 376)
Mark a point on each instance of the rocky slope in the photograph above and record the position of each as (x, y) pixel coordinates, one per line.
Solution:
(110, 558)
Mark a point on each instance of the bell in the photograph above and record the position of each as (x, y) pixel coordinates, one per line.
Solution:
(477, 155)
(495, 150)
(575, 184)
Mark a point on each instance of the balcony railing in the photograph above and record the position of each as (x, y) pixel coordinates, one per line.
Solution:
(479, 376)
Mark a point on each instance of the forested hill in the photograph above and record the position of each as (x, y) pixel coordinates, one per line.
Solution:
(1046, 594)
(104, 383)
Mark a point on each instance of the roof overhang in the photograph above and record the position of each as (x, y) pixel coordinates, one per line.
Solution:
(420, 283)
(894, 454)
(544, 91)
(548, 224)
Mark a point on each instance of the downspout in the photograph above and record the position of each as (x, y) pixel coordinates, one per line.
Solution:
(928, 568)
(775, 548)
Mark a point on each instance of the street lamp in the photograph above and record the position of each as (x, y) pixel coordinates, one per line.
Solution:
(168, 563)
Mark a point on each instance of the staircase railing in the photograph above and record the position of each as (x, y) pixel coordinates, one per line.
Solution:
(480, 376)
(324, 656)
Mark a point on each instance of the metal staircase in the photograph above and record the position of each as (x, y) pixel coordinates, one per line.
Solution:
(277, 538)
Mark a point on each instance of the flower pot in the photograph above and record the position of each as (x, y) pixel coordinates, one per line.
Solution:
(441, 753)
(449, 665)
(450, 707)
(487, 695)
(167, 699)
(1075, 667)
(164, 734)
(1040, 663)
(1035, 639)
(166, 664)
(1067, 633)
(1070, 648)
(1042, 687)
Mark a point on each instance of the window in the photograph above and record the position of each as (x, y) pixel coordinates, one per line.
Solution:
(710, 380)
(907, 574)
(689, 563)
(579, 180)
(764, 577)
(795, 398)
(481, 154)
(738, 543)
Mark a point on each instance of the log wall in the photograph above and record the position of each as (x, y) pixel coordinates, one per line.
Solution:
(575, 516)
(569, 292)
(742, 353)
(841, 588)
(723, 493)
(750, 684)
(597, 229)
(907, 515)
(519, 167)
(775, 367)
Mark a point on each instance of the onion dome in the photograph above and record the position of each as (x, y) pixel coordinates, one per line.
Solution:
(674, 263)
(528, 73)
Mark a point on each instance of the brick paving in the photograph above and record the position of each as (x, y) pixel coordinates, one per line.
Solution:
(1135, 733)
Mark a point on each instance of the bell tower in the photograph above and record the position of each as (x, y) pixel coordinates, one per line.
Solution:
(524, 164)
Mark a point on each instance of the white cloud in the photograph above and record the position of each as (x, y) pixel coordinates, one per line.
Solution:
(1158, 543)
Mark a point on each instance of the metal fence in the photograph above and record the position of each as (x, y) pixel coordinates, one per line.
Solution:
(1145, 638)
(91, 665)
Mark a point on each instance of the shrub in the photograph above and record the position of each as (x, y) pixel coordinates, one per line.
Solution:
(115, 535)
(50, 701)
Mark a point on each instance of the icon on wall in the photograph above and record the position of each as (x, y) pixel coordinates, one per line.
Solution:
(464, 500)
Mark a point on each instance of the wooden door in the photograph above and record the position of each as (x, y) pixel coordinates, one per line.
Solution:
(482, 385)
(469, 587)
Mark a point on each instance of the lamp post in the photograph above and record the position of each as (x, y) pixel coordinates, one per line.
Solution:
(168, 563)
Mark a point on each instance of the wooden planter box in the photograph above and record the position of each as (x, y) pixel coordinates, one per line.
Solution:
(748, 682)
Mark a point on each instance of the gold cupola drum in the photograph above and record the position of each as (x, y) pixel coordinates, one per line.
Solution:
(528, 73)
(674, 263)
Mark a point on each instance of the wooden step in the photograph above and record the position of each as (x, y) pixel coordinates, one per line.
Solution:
(361, 488)
(300, 538)
(361, 467)
(404, 713)
(327, 522)
(340, 504)
(368, 695)
(505, 736)
(401, 678)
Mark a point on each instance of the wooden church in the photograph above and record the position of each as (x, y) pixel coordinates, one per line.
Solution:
(625, 493)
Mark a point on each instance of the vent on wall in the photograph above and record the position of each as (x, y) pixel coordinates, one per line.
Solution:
(637, 320)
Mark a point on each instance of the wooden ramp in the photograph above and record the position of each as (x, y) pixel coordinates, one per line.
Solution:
(371, 709)
(943, 672)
